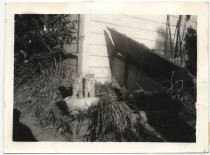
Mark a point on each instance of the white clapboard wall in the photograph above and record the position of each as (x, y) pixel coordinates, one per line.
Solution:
(146, 29)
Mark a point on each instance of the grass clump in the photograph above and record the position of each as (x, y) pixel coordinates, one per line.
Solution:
(186, 102)
(109, 120)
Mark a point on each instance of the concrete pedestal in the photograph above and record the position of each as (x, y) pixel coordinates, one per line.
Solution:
(76, 105)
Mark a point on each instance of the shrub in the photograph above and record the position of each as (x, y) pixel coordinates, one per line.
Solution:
(39, 41)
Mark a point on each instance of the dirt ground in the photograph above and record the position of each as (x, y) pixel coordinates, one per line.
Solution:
(29, 123)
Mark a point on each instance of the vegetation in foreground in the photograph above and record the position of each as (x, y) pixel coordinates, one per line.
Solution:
(111, 120)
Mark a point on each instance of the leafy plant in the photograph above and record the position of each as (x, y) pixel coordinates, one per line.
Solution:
(43, 33)
(39, 43)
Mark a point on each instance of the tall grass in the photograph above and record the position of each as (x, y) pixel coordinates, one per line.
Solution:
(185, 98)
(37, 93)
(109, 120)
(186, 102)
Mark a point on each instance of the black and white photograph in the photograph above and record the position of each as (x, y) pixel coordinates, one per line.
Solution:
(106, 77)
(135, 80)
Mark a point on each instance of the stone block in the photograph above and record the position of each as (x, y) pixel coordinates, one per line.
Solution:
(76, 105)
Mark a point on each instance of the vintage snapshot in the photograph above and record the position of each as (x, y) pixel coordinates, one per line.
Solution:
(106, 78)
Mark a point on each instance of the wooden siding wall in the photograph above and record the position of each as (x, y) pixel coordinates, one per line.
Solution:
(149, 30)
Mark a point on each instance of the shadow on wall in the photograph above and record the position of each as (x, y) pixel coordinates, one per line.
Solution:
(116, 63)
(161, 46)
(149, 64)
(20, 131)
(160, 41)
(123, 70)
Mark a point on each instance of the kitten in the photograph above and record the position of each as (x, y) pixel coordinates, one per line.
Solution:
(89, 85)
(77, 86)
